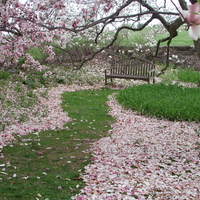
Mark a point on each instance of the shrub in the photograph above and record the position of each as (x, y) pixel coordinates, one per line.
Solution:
(163, 101)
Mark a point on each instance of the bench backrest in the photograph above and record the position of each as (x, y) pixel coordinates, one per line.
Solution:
(133, 66)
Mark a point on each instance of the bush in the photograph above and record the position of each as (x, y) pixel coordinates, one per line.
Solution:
(163, 101)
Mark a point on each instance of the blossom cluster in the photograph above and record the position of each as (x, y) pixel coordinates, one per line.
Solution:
(29, 24)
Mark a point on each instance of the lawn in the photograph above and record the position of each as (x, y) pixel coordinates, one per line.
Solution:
(49, 164)
(163, 101)
(144, 158)
(81, 147)
(146, 35)
(53, 164)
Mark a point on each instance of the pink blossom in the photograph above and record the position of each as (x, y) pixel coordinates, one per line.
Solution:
(75, 23)
(193, 17)
(108, 6)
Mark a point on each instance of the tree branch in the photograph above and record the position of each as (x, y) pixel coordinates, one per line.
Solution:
(14, 31)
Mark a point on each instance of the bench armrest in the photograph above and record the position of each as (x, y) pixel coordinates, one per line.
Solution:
(106, 69)
(153, 70)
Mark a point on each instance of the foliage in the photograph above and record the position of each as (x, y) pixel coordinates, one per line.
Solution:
(49, 164)
(42, 25)
(163, 101)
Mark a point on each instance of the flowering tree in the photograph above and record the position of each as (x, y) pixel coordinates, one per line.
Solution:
(59, 23)
(192, 18)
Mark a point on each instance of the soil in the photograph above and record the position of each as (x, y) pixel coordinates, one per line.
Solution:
(181, 56)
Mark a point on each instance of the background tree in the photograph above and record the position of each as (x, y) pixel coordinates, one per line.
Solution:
(60, 23)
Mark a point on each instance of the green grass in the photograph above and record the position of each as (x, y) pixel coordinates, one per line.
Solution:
(188, 75)
(139, 37)
(182, 39)
(183, 75)
(48, 160)
(163, 101)
(4, 75)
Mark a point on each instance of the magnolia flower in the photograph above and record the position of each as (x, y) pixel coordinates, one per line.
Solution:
(193, 17)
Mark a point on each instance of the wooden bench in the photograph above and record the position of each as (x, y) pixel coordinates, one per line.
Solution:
(131, 68)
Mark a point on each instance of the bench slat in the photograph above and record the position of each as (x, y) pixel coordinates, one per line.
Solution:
(131, 68)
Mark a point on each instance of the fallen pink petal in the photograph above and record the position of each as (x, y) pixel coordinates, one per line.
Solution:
(145, 157)
(39, 195)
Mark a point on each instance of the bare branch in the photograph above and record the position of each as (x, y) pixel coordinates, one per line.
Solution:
(77, 67)
(183, 4)
(14, 31)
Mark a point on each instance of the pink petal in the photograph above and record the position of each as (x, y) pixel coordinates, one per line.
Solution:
(194, 7)
(193, 16)
(194, 32)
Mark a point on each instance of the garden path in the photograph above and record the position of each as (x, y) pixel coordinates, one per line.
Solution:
(143, 158)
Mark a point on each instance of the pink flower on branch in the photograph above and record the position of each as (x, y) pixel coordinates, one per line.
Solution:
(75, 23)
(108, 6)
(193, 18)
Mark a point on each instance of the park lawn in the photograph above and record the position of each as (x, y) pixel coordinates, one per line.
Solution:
(139, 37)
(49, 164)
(182, 39)
(172, 102)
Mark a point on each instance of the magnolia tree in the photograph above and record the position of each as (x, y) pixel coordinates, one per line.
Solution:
(61, 23)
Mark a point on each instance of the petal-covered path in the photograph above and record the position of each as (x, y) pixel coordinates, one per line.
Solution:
(54, 119)
(144, 158)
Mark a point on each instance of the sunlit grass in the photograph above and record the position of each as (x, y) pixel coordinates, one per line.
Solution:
(182, 39)
(141, 37)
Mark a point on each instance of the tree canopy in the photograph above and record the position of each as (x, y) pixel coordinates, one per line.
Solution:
(58, 23)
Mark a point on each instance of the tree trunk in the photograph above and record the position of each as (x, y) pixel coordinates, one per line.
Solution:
(197, 46)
